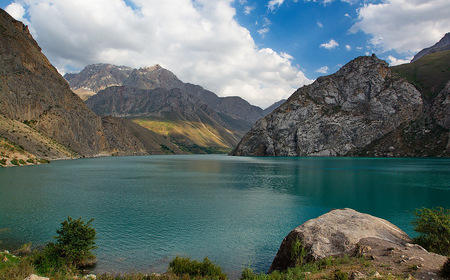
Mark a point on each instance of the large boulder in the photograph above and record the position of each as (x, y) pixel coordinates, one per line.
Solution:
(336, 233)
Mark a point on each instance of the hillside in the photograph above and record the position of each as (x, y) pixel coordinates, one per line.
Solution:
(428, 74)
(32, 92)
(171, 113)
(442, 45)
(364, 109)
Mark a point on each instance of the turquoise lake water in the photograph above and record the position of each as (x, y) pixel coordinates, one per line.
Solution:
(235, 210)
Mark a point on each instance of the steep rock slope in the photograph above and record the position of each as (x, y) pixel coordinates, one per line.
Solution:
(442, 45)
(33, 92)
(337, 114)
(162, 104)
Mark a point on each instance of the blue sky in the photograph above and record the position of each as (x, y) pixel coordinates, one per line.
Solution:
(260, 50)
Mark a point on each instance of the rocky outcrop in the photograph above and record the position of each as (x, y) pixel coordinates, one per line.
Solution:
(337, 114)
(346, 232)
(442, 45)
(33, 92)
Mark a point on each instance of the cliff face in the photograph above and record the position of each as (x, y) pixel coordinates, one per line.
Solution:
(33, 92)
(337, 114)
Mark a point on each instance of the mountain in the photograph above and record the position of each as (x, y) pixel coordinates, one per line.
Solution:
(191, 122)
(272, 107)
(99, 76)
(442, 45)
(57, 122)
(364, 109)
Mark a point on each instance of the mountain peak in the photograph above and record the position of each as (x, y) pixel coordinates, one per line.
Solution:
(155, 67)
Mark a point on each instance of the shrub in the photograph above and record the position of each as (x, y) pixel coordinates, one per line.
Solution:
(72, 249)
(185, 266)
(445, 270)
(30, 160)
(3, 161)
(15, 161)
(21, 161)
(434, 228)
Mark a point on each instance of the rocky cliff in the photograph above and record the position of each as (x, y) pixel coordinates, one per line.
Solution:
(33, 92)
(342, 114)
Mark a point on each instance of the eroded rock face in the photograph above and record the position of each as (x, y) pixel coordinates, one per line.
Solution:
(335, 233)
(336, 114)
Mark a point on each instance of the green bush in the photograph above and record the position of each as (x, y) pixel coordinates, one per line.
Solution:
(445, 270)
(434, 228)
(3, 161)
(15, 161)
(72, 249)
(21, 161)
(298, 253)
(185, 266)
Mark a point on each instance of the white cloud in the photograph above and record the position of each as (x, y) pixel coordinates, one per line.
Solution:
(323, 70)
(319, 24)
(202, 43)
(348, 47)
(263, 31)
(274, 4)
(330, 45)
(17, 11)
(248, 9)
(405, 26)
(394, 61)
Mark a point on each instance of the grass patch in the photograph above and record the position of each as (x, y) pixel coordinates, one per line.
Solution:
(206, 269)
(429, 74)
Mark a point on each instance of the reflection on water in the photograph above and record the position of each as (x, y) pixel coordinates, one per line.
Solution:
(235, 210)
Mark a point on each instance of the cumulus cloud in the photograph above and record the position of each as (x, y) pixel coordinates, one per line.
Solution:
(263, 31)
(319, 24)
(348, 47)
(323, 70)
(330, 45)
(395, 61)
(200, 41)
(405, 26)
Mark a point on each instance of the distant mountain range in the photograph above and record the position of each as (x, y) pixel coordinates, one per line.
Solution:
(155, 98)
(364, 109)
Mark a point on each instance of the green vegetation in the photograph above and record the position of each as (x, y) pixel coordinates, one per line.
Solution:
(3, 161)
(21, 161)
(193, 268)
(196, 149)
(429, 74)
(72, 249)
(15, 161)
(166, 149)
(43, 160)
(298, 253)
(445, 271)
(434, 228)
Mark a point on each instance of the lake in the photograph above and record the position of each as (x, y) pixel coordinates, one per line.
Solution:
(235, 210)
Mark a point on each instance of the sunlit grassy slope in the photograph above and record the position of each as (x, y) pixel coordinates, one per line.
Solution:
(429, 74)
(186, 133)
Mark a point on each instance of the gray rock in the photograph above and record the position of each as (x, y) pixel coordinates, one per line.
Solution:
(335, 233)
(336, 114)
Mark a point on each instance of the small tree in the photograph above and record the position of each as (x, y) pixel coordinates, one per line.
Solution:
(72, 249)
(434, 228)
(75, 242)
